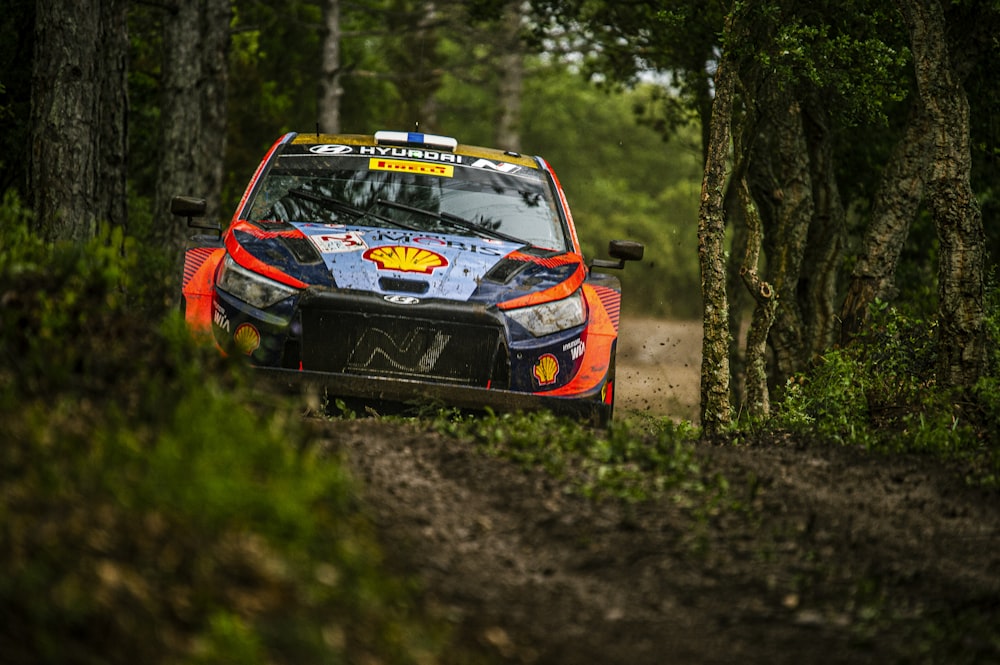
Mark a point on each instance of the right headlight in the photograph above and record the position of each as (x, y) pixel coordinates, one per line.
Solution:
(250, 287)
(551, 317)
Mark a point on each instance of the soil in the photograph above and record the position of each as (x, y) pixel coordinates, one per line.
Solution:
(829, 555)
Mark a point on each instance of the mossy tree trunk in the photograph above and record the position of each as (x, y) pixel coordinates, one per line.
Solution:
(758, 399)
(896, 204)
(827, 235)
(957, 217)
(715, 395)
(792, 193)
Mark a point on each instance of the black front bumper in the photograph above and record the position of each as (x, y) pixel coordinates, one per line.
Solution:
(590, 411)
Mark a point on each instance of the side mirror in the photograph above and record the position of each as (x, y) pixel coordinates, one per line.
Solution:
(622, 251)
(190, 207)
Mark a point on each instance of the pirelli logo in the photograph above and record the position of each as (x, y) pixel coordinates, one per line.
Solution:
(406, 166)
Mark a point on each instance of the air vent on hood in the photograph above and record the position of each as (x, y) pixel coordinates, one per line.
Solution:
(505, 269)
(403, 285)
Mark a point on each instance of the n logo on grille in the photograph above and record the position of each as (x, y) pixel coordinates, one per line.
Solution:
(415, 352)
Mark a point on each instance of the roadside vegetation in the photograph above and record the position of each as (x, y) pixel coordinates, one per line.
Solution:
(153, 509)
(880, 393)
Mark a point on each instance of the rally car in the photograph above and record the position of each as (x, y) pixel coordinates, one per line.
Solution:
(405, 266)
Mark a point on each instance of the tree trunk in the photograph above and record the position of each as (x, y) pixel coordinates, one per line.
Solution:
(715, 398)
(758, 398)
(193, 112)
(79, 106)
(961, 336)
(330, 88)
(508, 132)
(739, 298)
(826, 238)
(795, 211)
(896, 204)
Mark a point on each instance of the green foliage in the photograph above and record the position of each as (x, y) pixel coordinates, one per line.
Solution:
(632, 460)
(152, 507)
(881, 393)
(853, 54)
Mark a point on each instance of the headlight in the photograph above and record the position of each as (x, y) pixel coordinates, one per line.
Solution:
(250, 287)
(551, 317)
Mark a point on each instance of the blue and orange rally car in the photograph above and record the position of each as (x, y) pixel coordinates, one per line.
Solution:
(404, 266)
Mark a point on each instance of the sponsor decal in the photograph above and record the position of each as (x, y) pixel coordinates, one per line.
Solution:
(401, 300)
(404, 166)
(331, 149)
(247, 338)
(219, 317)
(502, 167)
(394, 236)
(546, 370)
(405, 259)
(576, 348)
(335, 243)
(410, 153)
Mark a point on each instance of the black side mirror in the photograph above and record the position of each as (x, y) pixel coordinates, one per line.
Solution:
(190, 207)
(622, 251)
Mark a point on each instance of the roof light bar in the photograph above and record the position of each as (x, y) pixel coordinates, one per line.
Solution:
(415, 139)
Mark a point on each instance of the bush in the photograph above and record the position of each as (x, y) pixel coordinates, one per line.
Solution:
(881, 393)
(152, 508)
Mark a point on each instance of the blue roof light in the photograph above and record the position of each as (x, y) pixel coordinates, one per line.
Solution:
(415, 139)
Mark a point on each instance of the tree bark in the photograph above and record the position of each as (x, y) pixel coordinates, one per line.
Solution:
(330, 87)
(957, 218)
(758, 400)
(818, 280)
(715, 397)
(77, 174)
(788, 238)
(508, 132)
(896, 204)
(193, 112)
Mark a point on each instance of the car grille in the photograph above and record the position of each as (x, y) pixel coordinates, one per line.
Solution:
(430, 343)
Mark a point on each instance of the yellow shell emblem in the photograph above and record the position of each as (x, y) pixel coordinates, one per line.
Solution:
(406, 259)
(247, 338)
(546, 370)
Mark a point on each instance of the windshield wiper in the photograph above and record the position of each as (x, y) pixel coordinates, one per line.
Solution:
(454, 220)
(343, 206)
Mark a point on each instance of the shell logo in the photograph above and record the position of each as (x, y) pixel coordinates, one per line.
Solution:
(247, 338)
(546, 370)
(405, 259)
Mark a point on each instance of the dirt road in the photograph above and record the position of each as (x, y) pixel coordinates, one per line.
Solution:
(820, 555)
(659, 367)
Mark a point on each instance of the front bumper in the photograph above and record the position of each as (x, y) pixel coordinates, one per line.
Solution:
(587, 409)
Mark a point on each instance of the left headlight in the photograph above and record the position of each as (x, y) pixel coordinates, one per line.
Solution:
(250, 287)
(551, 317)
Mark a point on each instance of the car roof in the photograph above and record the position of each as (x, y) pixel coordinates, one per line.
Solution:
(477, 152)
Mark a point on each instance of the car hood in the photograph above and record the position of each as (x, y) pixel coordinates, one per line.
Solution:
(407, 263)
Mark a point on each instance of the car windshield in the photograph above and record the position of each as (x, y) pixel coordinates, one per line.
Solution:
(425, 196)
